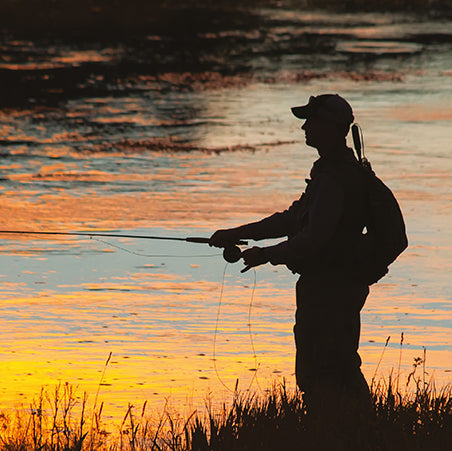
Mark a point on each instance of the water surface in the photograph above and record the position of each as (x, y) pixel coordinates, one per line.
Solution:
(100, 139)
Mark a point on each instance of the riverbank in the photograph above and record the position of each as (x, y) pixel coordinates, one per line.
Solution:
(274, 419)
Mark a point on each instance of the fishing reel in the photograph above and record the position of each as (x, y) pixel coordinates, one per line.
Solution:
(232, 253)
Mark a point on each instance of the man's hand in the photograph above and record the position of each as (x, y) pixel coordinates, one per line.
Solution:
(254, 256)
(224, 237)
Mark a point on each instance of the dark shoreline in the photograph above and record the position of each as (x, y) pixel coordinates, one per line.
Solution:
(56, 51)
(103, 20)
(275, 419)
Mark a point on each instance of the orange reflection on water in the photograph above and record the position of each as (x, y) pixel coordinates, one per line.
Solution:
(422, 113)
(161, 338)
(159, 321)
(160, 327)
(425, 324)
(125, 210)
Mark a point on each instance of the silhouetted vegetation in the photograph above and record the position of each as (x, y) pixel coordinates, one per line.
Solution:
(279, 421)
(419, 420)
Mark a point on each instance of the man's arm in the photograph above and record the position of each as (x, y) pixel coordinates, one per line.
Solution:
(274, 226)
(324, 214)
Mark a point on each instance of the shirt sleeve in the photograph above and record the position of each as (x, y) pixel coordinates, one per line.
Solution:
(275, 226)
(324, 213)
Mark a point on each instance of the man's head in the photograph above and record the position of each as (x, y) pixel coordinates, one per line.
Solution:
(328, 119)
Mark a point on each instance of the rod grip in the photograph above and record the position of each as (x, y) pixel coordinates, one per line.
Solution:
(202, 240)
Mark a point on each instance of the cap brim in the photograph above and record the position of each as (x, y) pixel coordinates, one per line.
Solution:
(301, 112)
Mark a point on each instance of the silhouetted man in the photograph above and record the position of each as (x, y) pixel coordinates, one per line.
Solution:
(322, 230)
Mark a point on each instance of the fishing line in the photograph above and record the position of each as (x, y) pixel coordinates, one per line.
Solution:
(140, 254)
(231, 252)
(214, 353)
(220, 301)
(250, 333)
(214, 357)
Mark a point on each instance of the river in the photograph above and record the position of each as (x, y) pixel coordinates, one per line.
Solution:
(152, 137)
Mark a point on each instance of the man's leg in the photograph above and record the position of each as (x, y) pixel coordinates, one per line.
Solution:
(327, 333)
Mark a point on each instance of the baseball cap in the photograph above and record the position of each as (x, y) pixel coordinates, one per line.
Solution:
(330, 107)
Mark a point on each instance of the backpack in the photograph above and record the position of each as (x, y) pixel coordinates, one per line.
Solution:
(385, 237)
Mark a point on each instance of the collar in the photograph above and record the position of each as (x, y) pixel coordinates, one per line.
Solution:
(344, 155)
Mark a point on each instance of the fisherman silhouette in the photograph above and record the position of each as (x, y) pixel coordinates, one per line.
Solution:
(322, 228)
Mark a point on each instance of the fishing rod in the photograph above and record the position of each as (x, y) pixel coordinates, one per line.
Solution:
(231, 252)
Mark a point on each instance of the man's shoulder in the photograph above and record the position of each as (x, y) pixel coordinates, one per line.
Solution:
(343, 172)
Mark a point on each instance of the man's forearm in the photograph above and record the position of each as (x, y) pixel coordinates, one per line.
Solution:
(274, 226)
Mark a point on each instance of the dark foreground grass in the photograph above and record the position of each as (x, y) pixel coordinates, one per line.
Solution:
(276, 420)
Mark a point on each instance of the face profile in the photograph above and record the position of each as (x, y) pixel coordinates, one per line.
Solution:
(327, 121)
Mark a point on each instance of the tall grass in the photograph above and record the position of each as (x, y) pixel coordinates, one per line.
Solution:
(420, 421)
(420, 418)
(277, 420)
